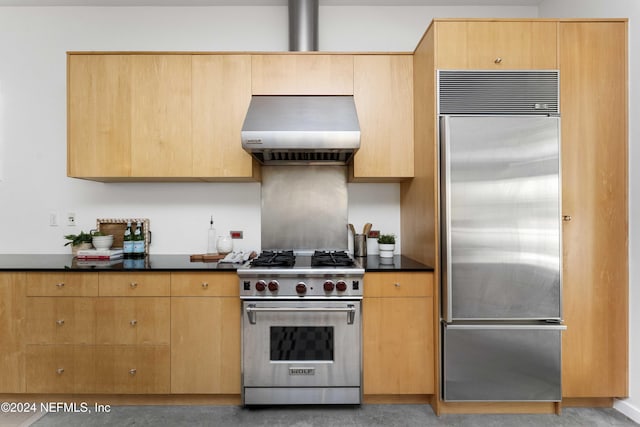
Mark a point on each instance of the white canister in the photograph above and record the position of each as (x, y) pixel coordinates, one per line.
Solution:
(224, 244)
(386, 250)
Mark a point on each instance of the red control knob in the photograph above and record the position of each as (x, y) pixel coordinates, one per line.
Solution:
(273, 285)
(301, 288)
(328, 286)
(261, 285)
(341, 286)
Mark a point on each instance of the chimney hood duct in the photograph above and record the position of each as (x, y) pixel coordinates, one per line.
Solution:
(303, 25)
(285, 129)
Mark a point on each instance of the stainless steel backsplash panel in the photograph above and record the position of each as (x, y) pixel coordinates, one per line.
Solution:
(304, 207)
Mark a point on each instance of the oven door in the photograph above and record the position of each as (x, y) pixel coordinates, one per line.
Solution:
(301, 344)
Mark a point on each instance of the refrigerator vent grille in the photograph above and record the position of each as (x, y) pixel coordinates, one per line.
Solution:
(498, 92)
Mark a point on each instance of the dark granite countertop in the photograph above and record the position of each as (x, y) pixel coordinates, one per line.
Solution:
(57, 262)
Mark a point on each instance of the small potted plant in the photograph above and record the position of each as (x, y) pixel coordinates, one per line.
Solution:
(386, 245)
(78, 241)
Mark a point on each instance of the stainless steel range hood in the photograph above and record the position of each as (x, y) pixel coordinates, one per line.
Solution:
(301, 129)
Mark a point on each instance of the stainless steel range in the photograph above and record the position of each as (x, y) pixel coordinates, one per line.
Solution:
(301, 328)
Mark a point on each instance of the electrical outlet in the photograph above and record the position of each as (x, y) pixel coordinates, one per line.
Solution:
(53, 219)
(374, 234)
(71, 219)
(236, 234)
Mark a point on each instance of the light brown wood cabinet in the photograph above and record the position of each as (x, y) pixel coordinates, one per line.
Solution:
(496, 45)
(398, 334)
(383, 93)
(146, 117)
(12, 332)
(205, 333)
(302, 74)
(593, 96)
(98, 333)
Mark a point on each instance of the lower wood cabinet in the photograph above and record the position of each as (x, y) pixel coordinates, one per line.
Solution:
(205, 333)
(398, 334)
(135, 321)
(133, 369)
(12, 332)
(67, 320)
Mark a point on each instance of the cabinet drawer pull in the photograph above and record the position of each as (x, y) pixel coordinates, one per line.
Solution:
(132, 371)
(397, 285)
(566, 218)
(60, 371)
(498, 60)
(60, 285)
(133, 285)
(133, 322)
(60, 322)
(205, 285)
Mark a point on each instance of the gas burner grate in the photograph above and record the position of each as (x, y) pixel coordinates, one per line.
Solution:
(274, 259)
(331, 259)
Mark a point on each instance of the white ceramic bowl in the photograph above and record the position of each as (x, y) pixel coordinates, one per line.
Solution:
(102, 242)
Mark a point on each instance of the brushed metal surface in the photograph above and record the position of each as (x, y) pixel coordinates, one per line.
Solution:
(344, 371)
(301, 129)
(304, 207)
(507, 363)
(501, 217)
(303, 25)
(302, 396)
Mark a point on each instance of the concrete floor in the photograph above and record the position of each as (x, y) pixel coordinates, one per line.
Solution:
(365, 415)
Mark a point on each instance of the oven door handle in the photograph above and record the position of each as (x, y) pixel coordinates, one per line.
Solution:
(350, 309)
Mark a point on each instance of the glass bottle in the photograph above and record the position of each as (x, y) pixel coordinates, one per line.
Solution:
(127, 242)
(138, 242)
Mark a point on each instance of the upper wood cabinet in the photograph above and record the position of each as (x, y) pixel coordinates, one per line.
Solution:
(496, 45)
(221, 96)
(593, 96)
(302, 74)
(157, 117)
(383, 92)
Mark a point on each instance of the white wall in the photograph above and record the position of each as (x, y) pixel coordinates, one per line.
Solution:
(33, 181)
(621, 9)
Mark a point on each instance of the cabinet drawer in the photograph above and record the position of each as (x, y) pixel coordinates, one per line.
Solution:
(60, 369)
(60, 320)
(122, 320)
(134, 284)
(398, 285)
(62, 284)
(133, 369)
(205, 284)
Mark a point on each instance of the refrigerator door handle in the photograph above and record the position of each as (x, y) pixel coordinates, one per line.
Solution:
(546, 327)
(445, 200)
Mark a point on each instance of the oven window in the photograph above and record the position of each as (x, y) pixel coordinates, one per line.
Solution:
(301, 343)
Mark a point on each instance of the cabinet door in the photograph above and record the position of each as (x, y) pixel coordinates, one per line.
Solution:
(161, 116)
(132, 321)
(593, 95)
(61, 320)
(99, 116)
(487, 45)
(60, 369)
(205, 345)
(221, 96)
(132, 369)
(383, 92)
(398, 352)
(302, 74)
(199, 284)
(12, 332)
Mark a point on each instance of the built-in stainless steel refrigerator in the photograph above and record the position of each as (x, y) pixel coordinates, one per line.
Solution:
(501, 247)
